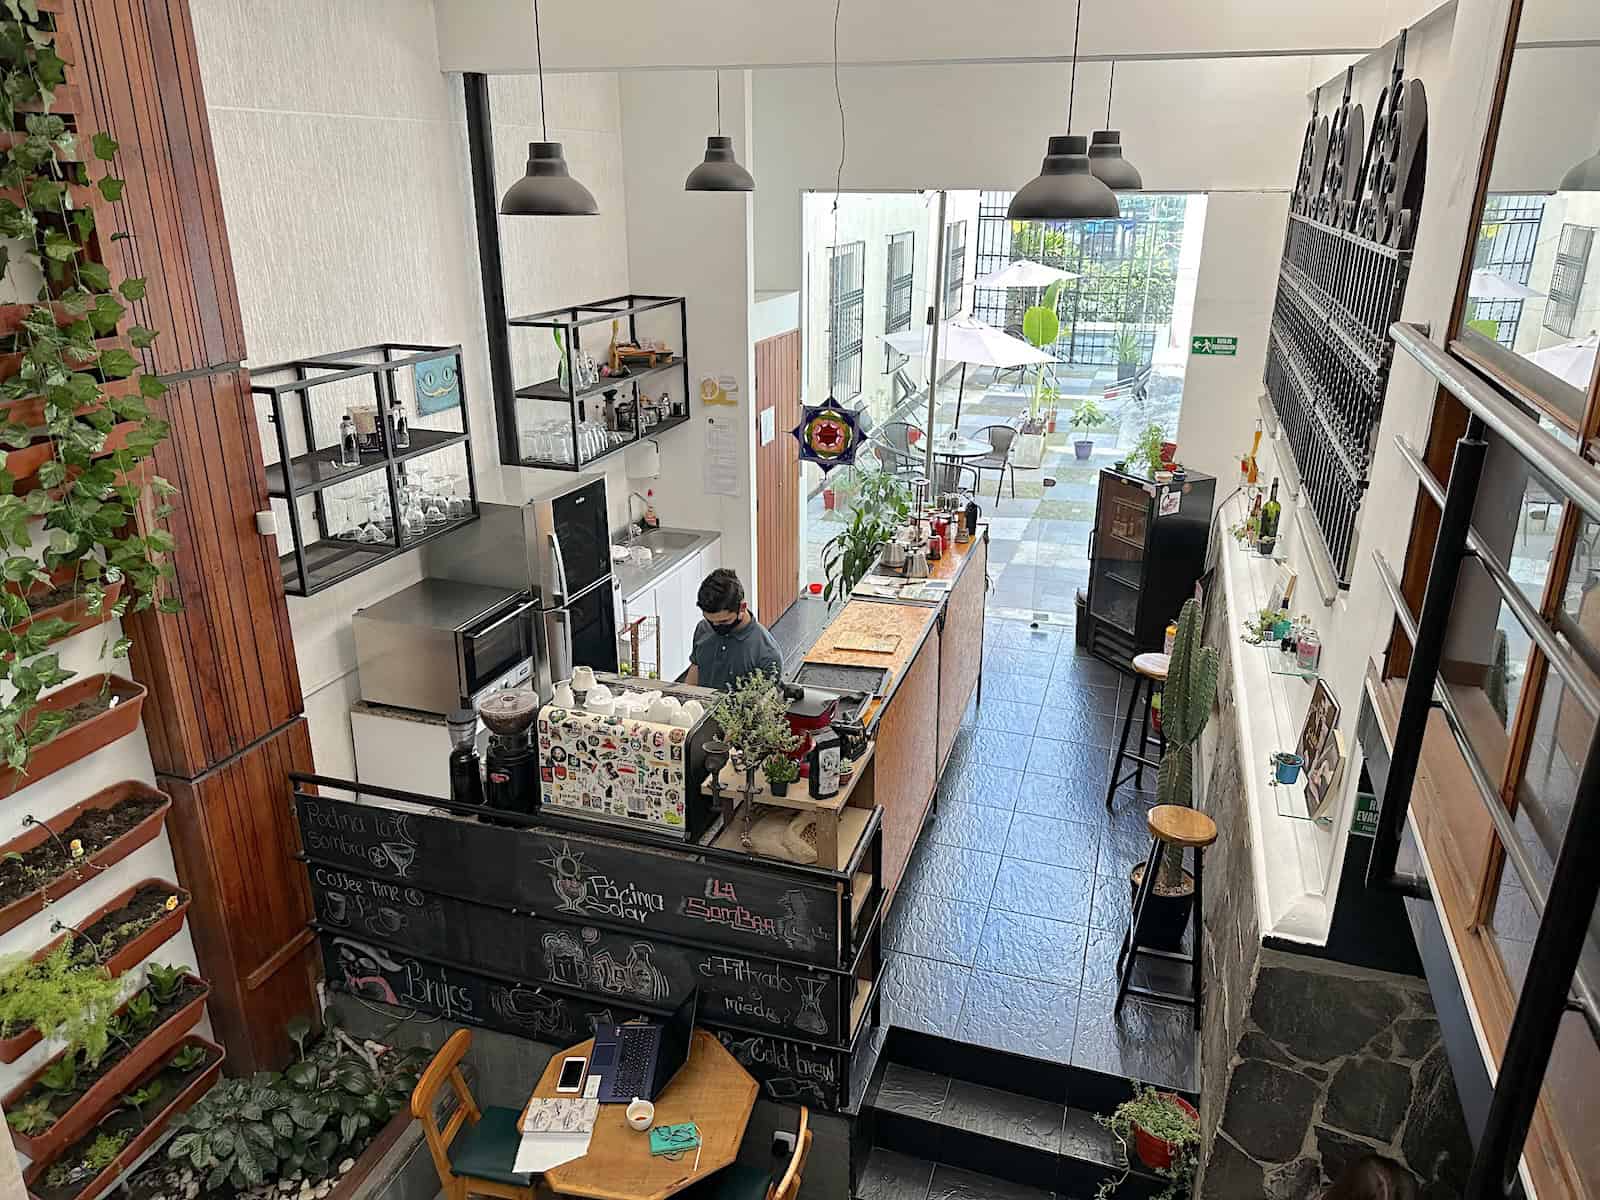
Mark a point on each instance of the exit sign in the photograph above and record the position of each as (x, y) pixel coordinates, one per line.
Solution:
(1222, 347)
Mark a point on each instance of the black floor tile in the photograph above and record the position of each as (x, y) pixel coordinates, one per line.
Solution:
(990, 747)
(1070, 695)
(891, 1176)
(1020, 635)
(1113, 903)
(972, 826)
(1026, 1016)
(1082, 1137)
(1147, 1040)
(1074, 663)
(1121, 848)
(911, 1092)
(1068, 760)
(1100, 967)
(998, 684)
(1074, 799)
(919, 993)
(1088, 728)
(931, 926)
(1037, 663)
(1040, 890)
(979, 783)
(942, 870)
(1005, 1116)
(1031, 947)
(1011, 716)
(1056, 842)
(952, 1183)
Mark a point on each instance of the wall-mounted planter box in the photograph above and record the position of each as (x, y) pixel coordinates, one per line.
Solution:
(116, 1073)
(24, 464)
(82, 737)
(73, 608)
(29, 410)
(129, 953)
(184, 1088)
(110, 825)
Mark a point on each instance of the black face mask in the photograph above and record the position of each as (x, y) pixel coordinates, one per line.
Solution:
(723, 628)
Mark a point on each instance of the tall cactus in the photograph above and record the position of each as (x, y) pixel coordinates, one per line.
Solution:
(1185, 708)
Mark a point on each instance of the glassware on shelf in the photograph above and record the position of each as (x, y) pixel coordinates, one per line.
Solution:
(349, 451)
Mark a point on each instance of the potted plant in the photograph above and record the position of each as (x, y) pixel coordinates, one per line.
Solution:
(1147, 450)
(1040, 327)
(51, 858)
(1164, 1130)
(66, 725)
(754, 719)
(124, 932)
(829, 497)
(61, 991)
(882, 503)
(1185, 708)
(1129, 352)
(781, 771)
(1087, 415)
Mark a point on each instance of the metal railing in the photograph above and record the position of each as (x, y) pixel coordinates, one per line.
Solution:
(1553, 983)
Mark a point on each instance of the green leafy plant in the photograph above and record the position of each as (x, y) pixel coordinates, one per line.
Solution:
(61, 1075)
(882, 503)
(32, 1116)
(67, 994)
(754, 719)
(1088, 414)
(1041, 327)
(332, 1099)
(101, 1153)
(1147, 450)
(165, 982)
(188, 1058)
(139, 1097)
(1156, 1114)
(88, 507)
(1128, 348)
(1185, 708)
(780, 769)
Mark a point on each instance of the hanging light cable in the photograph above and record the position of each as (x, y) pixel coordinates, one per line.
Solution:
(721, 171)
(1105, 151)
(1065, 190)
(547, 190)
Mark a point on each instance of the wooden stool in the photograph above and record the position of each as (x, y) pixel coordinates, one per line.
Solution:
(1149, 671)
(1170, 825)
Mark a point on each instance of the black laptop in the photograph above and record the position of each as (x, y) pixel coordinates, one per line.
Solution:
(641, 1059)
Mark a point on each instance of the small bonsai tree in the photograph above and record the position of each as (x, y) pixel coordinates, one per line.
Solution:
(754, 720)
(1088, 414)
(1185, 708)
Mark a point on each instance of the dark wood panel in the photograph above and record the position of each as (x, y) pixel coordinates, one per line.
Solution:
(778, 483)
(234, 839)
(961, 644)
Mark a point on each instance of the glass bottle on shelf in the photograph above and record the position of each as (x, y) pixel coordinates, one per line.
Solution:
(402, 429)
(349, 451)
(1267, 538)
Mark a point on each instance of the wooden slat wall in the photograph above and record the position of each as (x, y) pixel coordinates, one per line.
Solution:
(777, 476)
(961, 643)
(223, 716)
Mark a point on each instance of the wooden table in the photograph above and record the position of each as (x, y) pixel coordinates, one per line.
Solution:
(711, 1089)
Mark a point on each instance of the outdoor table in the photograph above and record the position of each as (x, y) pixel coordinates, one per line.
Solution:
(711, 1089)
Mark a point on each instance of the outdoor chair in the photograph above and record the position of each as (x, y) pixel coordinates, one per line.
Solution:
(477, 1147)
(893, 449)
(998, 459)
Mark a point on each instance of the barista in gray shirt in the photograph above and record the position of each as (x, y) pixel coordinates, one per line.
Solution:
(729, 644)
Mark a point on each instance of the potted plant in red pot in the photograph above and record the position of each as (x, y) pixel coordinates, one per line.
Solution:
(1164, 1130)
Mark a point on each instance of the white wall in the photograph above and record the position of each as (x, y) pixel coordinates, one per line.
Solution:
(497, 35)
(697, 244)
(1189, 126)
(342, 161)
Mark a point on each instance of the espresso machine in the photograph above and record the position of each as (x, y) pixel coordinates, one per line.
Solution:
(511, 766)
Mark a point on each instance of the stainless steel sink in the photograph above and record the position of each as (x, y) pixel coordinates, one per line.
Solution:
(666, 540)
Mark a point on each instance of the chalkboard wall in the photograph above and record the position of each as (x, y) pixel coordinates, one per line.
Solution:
(572, 877)
(653, 974)
(788, 1072)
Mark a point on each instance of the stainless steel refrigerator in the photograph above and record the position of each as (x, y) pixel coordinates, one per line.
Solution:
(558, 547)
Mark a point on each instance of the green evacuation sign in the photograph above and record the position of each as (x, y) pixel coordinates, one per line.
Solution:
(1365, 819)
(1221, 347)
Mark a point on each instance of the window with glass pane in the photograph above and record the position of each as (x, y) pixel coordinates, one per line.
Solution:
(897, 293)
(846, 291)
(955, 266)
(1502, 263)
(1566, 280)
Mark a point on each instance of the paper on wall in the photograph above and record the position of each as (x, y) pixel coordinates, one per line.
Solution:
(721, 458)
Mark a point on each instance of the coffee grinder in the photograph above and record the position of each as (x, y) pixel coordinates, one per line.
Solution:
(511, 768)
(466, 772)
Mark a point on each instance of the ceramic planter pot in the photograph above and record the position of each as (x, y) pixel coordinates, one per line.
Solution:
(146, 1137)
(74, 609)
(106, 799)
(1166, 917)
(84, 738)
(24, 464)
(158, 1044)
(829, 498)
(1155, 1152)
(1027, 451)
(1082, 449)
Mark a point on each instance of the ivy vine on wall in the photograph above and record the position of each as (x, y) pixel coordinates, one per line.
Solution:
(77, 496)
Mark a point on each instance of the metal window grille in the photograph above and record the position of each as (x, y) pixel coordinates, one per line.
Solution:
(897, 291)
(1508, 235)
(1499, 319)
(955, 264)
(846, 303)
(1566, 280)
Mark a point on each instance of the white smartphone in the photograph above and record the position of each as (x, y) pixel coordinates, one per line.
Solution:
(571, 1078)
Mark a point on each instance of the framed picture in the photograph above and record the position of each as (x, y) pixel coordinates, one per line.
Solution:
(438, 385)
(1321, 719)
(1323, 774)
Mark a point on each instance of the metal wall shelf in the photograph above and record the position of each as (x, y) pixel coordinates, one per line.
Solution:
(342, 520)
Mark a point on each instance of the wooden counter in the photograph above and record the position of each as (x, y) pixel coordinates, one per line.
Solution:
(934, 669)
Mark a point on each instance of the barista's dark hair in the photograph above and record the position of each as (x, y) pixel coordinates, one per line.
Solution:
(1373, 1177)
(720, 591)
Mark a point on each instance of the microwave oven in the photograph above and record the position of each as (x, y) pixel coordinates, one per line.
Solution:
(440, 645)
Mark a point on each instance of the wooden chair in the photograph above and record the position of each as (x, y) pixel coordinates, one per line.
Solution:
(475, 1150)
(742, 1182)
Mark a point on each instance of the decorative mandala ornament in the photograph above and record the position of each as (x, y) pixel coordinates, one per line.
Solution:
(828, 435)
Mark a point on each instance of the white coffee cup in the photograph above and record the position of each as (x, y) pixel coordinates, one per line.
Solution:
(599, 700)
(582, 678)
(564, 697)
(641, 1113)
(694, 710)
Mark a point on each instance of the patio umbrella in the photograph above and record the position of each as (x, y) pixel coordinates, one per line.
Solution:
(1488, 285)
(1023, 273)
(969, 340)
(1572, 362)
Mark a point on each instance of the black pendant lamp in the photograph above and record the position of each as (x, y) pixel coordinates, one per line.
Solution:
(1105, 151)
(1585, 177)
(548, 189)
(1065, 189)
(721, 171)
